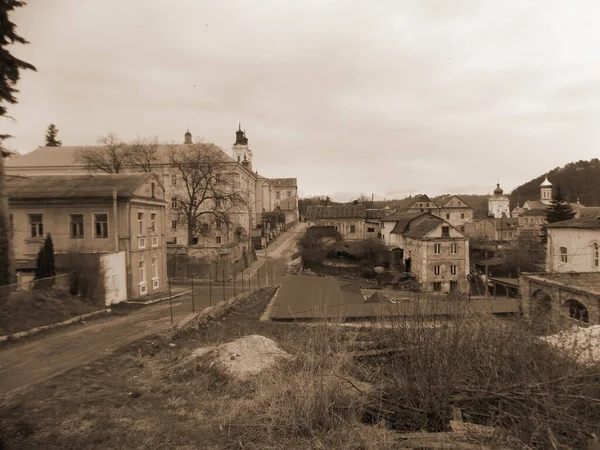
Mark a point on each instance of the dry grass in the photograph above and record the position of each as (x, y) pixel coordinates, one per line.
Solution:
(148, 396)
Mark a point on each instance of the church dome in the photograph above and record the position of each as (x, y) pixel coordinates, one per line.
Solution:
(546, 183)
(498, 190)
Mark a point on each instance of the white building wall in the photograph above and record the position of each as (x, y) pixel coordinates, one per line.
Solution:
(580, 246)
(498, 206)
(115, 277)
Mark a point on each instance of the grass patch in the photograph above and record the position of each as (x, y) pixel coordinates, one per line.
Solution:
(24, 310)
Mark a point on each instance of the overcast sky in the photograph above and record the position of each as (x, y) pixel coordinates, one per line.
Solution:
(386, 97)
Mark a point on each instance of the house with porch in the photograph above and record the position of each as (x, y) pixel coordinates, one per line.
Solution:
(120, 217)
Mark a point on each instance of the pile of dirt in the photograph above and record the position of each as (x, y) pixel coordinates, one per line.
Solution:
(24, 310)
(243, 357)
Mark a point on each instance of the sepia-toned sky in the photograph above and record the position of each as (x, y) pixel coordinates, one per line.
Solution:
(389, 97)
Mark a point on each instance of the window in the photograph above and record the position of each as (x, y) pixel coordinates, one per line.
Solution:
(462, 229)
(217, 202)
(563, 255)
(174, 203)
(76, 226)
(101, 225)
(453, 285)
(154, 241)
(277, 195)
(462, 216)
(437, 249)
(454, 249)
(173, 179)
(153, 190)
(289, 194)
(437, 286)
(218, 239)
(173, 224)
(218, 223)
(142, 270)
(370, 230)
(596, 255)
(352, 228)
(445, 231)
(140, 223)
(141, 242)
(453, 269)
(36, 225)
(154, 267)
(448, 216)
(153, 222)
(436, 270)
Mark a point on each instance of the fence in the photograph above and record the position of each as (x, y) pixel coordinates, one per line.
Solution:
(208, 292)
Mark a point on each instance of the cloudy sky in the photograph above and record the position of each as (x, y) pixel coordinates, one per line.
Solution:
(389, 97)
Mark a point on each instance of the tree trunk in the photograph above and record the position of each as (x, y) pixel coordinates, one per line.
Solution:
(6, 255)
(190, 232)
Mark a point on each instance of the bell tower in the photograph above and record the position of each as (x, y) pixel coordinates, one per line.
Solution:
(240, 151)
(546, 191)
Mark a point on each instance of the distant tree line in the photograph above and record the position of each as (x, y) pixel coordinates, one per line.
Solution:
(577, 179)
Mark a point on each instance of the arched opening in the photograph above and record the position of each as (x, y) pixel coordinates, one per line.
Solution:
(576, 310)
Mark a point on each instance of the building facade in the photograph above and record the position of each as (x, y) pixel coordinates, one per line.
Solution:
(574, 245)
(454, 210)
(104, 214)
(348, 220)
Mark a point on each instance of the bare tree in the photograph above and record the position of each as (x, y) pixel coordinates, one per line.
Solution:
(143, 154)
(208, 195)
(110, 158)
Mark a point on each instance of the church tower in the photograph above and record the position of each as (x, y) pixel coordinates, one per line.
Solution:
(498, 204)
(240, 151)
(187, 137)
(546, 191)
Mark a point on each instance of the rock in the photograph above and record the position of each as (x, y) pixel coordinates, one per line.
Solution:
(171, 344)
(243, 357)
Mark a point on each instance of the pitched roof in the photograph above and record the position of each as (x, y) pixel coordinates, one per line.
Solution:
(375, 213)
(401, 215)
(69, 156)
(287, 182)
(589, 222)
(505, 222)
(441, 200)
(535, 204)
(74, 186)
(400, 226)
(534, 212)
(409, 202)
(423, 228)
(336, 212)
(378, 297)
(589, 211)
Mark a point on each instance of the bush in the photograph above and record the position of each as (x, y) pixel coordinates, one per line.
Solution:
(371, 252)
(497, 373)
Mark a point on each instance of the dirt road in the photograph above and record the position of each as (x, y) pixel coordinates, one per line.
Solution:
(39, 358)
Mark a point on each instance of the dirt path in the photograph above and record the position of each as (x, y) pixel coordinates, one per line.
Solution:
(39, 358)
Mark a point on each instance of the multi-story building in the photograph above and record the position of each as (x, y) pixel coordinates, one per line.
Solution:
(453, 210)
(121, 216)
(574, 245)
(257, 190)
(286, 197)
(435, 251)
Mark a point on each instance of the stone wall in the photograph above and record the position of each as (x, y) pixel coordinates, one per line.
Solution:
(558, 290)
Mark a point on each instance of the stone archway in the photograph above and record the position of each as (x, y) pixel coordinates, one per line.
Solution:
(576, 310)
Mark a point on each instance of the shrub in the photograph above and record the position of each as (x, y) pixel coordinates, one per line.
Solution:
(371, 252)
(498, 373)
